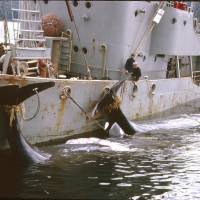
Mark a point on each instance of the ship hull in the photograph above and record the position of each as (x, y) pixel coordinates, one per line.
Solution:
(59, 117)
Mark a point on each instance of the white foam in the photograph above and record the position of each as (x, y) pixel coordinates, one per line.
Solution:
(114, 146)
(185, 121)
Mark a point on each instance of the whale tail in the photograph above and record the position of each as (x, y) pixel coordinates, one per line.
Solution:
(109, 107)
(106, 98)
(11, 96)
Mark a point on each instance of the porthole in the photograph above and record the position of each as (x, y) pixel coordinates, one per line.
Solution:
(75, 3)
(84, 50)
(153, 87)
(75, 49)
(88, 4)
(69, 32)
(174, 20)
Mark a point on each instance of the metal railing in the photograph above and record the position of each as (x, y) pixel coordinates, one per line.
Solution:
(196, 77)
(174, 5)
(65, 51)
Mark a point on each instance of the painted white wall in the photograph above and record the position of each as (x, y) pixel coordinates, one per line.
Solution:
(114, 23)
(175, 39)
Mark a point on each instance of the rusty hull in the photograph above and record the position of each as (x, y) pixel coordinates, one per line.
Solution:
(60, 118)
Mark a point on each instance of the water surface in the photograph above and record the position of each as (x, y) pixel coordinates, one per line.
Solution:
(160, 162)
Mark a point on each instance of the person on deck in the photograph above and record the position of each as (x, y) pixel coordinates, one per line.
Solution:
(132, 67)
(129, 64)
(136, 72)
(169, 68)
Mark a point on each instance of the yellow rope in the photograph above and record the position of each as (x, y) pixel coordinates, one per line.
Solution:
(11, 110)
(112, 106)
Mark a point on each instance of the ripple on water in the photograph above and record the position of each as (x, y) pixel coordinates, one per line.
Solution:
(124, 171)
(95, 177)
(116, 178)
(124, 185)
(104, 183)
(122, 167)
(165, 166)
(134, 175)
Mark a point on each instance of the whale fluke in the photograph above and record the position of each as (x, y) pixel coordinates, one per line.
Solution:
(109, 108)
(20, 147)
(11, 97)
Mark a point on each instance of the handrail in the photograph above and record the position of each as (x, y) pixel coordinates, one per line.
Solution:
(172, 4)
(196, 26)
(196, 77)
(195, 72)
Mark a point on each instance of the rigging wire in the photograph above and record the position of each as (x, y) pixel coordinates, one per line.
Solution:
(72, 18)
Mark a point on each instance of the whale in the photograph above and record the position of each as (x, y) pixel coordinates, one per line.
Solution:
(112, 113)
(11, 98)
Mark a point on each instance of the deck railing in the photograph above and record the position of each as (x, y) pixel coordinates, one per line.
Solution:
(196, 77)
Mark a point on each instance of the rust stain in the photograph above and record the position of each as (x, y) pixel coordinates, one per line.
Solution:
(45, 109)
(91, 104)
(52, 106)
(60, 113)
(137, 116)
(15, 80)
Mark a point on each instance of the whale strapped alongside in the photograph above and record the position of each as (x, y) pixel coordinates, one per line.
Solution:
(12, 96)
(108, 107)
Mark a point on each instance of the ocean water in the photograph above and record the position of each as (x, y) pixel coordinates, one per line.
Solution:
(161, 161)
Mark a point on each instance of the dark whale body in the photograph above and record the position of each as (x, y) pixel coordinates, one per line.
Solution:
(115, 115)
(12, 96)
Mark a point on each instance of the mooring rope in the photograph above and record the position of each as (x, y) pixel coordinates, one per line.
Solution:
(11, 110)
(83, 110)
(37, 109)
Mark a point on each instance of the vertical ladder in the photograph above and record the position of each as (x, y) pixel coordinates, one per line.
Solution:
(28, 35)
(65, 52)
(6, 32)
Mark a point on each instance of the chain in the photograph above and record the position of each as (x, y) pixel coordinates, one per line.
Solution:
(83, 110)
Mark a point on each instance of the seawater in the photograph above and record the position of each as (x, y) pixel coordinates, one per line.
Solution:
(161, 161)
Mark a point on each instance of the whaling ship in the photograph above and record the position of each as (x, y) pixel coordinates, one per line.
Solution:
(89, 57)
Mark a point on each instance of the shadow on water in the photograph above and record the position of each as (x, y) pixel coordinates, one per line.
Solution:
(17, 177)
(11, 175)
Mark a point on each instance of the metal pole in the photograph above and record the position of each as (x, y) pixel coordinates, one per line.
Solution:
(104, 52)
(5, 31)
(191, 65)
(178, 67)
(148, 31)
(72, 18)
